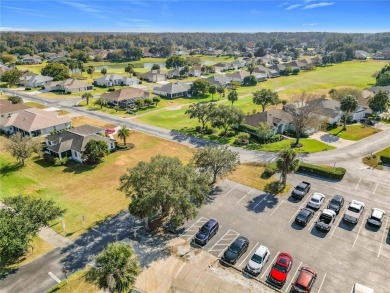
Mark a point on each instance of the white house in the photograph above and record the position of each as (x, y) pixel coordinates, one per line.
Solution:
(173, 90)
(34, 80)
(115, 79)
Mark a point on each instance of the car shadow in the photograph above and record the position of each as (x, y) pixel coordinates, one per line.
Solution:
(296, 226)
(346, 226)
(294, 199)
(318, 233)
(371, 228)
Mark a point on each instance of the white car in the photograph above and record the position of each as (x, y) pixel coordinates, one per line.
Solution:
(317, 199)
(258, 260)
(376, 217)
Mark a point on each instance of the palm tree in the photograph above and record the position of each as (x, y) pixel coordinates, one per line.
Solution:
(103, 71)
(233, 96)
(220, 90)
(101, 102)
(286, 163)
(86, 96)
(90, 70)
(348, 104)
(212, 91)
(116, 268)
(251, 67)
(124, 133)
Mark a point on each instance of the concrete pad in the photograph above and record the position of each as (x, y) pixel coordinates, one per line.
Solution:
(183, 286)
(194, 276)
(331, 139)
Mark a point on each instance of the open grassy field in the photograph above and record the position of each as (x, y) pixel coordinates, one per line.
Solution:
(76, 283)
(308, 146)
(81, 120)
(354, 132)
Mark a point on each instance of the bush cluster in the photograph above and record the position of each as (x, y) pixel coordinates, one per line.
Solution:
(385, 159)
(322, 171)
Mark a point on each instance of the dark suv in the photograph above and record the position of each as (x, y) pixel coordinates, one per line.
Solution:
(336, 203)
(206, 232)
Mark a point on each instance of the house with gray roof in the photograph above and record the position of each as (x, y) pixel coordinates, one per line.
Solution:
(69, 85)
(27, 59)
(278, 120)
(221, 67)
(219, 80)
(173, 90)
(71, 143)
(269, 72)
(277, 67)
(126, 97)
(154, 75)
(238, 75)
(237, 64)
(195, 71)
(361, 55)
(31, 79)
(115, 79)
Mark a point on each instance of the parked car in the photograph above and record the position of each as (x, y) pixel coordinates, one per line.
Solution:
(336, 203)
(279, 272)
(326, 220)
(258, 260)
(367, 121)
(301, 190)
(304, 216)
(317, 199)
(305, 280)
(109, 131)
(206, 232)
(376, 217)
(354, 211)
(236, 250)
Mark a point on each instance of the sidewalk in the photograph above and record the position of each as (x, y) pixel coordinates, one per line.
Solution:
(53, 238)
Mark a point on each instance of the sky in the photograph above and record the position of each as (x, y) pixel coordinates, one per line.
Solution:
(195, 16)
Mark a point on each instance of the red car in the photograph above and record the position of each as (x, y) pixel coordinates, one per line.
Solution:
(305, 280)
(278, 274)
(109, 131)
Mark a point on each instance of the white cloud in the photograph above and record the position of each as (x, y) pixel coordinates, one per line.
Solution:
(291, 7)
(86, 8)
(317, 5)
(14, 29)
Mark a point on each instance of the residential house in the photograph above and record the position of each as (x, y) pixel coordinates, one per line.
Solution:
(219, 80)
(195, 71)
(260, 76)
(7, 108)
(279, 120)
(361, 55)
(221, 67)
(278, 67)
(71, 143)
(383, 54)
(31, 79)
(3, 69)
(238, 75)
(296, 64)
(69, 85)
(175, 73)
(307, 64)
(33, 122)
(270, 73)
(237, 64)
(173, 90)
(154, 75)
(125, 97)
(115, 79)
(27, 59)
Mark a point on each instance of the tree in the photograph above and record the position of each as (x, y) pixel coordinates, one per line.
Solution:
(101, 102)
(95, 151)
(251, 66)
(250, 80)
(234, 84)
(233, 96)
(133, 54)
(348, 104)
(129, 69)
(202, 111)
(287, 163)
(103, 71)
(87, 96)
(156, 99)
(264, 132)
(339, 94)
(221, 91)
(139, 103)
(116, 268)
(295, 71)
(123, 133)
(212, 91)
(90, 70)
(175, 62)
(164, 191)
(155, 66)
(218, 161)
(15, 100)
(148, 102)
(265, 97)
(7, 58)
(287, 71)
(22, 147)
(278, 46)
(383, 79)
(56, 70)
(11, 76)
(200, 87)
(260, 52)
(303, 110)
(379, 103)
(224, 117)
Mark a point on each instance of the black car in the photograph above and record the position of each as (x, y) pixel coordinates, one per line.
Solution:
(206, 232)
(367, 122)
(336, 203)
(236, 250)
(301, 190)
(304, 216)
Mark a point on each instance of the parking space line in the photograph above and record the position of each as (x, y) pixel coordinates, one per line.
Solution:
(376, 186)
(276, 255)
(245, 195)
(199, 220)
(293, 278)
(341, 213)
(250, 252)
(254, 208)
(322, 283)
(230, 191)
(303, 204)
(314, 222)
(276, 208)
(222, 240)
(361, 225)
(357, 185)
(383, 235)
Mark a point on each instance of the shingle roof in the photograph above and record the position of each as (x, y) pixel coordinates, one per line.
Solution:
(126, 94)
(238, 74)
(218, 79)
(86, 129)
(7, 107)
(32, 77)
(109, 77)
(271, 117)
(173, 88)
(69, 83)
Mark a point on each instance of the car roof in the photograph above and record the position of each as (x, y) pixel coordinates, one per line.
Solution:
(261, 250)
(210, 223)
(305, 211)
(317, 195)
(328, 211)
(338, 197)
(305, 276)
(284, 258)
(302, 184)
(241, 240)
(377, 213)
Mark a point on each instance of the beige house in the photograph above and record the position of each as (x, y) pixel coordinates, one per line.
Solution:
(68, 85)
(154, 75)
(125, 98)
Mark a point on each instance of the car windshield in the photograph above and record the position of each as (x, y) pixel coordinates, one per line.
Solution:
(300, 188)
(302, 215)
(300, 287)
(315, 200)
(325, 219)
(234, 248)
(335, 202)
(353, 209)
(204, 230)
(257, 258)
(280, 268)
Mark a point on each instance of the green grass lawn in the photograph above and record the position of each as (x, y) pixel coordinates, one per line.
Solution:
(35, 105)
(308, 146)
(375, 161)
(354, 132)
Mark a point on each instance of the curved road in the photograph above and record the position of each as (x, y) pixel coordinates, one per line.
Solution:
(359, 149)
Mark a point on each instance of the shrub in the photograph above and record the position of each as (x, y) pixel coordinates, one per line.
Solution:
(28, 89)
(60, 162)
(385, 159)
(242, 138)
(15, 100)
(68, 93)
(322, 171)
(48, 158)
(290, 133)
(208, 130)
(111, 89)
(269, 171)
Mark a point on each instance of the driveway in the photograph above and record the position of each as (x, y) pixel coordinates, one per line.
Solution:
(331, 139)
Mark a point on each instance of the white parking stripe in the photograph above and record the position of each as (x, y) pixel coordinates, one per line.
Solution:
(262, 276)
(376, 186)
(293, 278)
(230, 191)
(314, 222)
(340, 215)
(383, 235)
(250, 252)
(54, 277)
(222, 238)
(245, 195)
(260, 202)
(303, 204)
(357, 185)
(276, 208)
(203, 219)
(361, 225)
(322, 283)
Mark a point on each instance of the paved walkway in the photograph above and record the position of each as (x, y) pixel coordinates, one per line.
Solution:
(53, 238)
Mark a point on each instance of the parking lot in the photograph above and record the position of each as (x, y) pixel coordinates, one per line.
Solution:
(346, 255)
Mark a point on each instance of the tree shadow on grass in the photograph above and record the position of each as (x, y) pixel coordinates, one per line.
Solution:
(77, 168)
(8, 169)
(5, 272)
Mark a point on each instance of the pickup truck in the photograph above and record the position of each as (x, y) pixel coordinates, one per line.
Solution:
(301, 190)
(354, 211)
(326, 220)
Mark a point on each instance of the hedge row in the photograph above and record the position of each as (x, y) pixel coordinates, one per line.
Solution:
(323, 171)
(385, 159)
